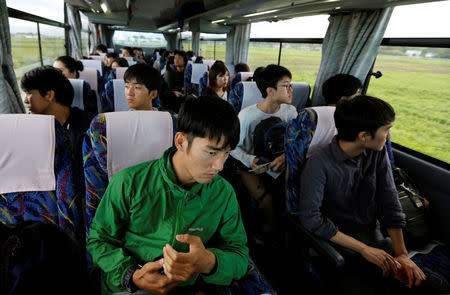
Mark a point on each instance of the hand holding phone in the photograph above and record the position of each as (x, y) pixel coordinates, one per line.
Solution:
(261, 168)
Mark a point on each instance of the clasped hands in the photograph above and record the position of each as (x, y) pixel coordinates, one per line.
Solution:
(178, 267)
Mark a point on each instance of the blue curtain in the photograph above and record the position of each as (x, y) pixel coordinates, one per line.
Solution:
(74, 20)
(10, 98)
(350, 46)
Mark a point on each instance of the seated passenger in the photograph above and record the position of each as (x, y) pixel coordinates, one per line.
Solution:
(142, 83)
(217, 81)
(173, 220)
(49, 92)
(139, 55)
(127, 52)
(274, 82)
(348, 194)
(190, 55)
(198, 60)
(119, 62)
(101, 49)
(240, 67)
(175, 77)
(340, 86)
(71, 68)
(109, 58)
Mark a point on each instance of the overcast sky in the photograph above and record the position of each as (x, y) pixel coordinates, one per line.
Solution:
(420, 20)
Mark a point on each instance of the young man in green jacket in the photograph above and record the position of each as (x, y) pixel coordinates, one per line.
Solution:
(167, 222)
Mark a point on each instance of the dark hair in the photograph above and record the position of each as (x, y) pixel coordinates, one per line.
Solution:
(362, 113)
(340, 85)
(73, 65)
(198, 60)
(112, 55)
(122, 62)
(183, 55)
(48, 78)
(256, 74)
(144, 74)
(170, 63)
(129, 49)
(218, 68)
(102, 48)
(209, 116)
(270, 76)
(189, 54)
(241, 67)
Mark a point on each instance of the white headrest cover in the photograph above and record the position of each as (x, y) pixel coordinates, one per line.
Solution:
(90, 75)
(209, 62)
(120, 71)
(246, 75)
(252, 95)
(120, 101)
(325, 129)
(197, 72)
(97, 57)
(136, 137)
(27, 153)
(77, 85)
(92, 63)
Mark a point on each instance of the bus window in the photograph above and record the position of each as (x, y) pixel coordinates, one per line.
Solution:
(84, 35)
(261, 54)
(211, 49)
(138, 39)
(52, 42)
(53, 10)
(24, 45)
(415, 81)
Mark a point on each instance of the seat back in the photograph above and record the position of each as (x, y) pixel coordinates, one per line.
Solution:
(198, 71)
(313, 128)
(104, 152)
(129, 59)
(120, 71)
(300, 94)
(120, 101)
(203, 83)
(92, 63)
(78, 101)
(90, 76)
(230, 68)
(240, 76)
(110, 50)
(209, 62)
(251, 94)
(37, 181)
(97, 57)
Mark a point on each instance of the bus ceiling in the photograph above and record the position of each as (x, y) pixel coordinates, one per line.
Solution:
(213, 16)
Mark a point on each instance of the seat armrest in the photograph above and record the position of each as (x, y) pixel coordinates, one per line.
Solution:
(321, 246)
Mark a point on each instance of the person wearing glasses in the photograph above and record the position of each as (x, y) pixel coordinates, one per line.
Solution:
(264, 185)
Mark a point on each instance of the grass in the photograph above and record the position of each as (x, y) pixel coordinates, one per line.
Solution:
(417, 88)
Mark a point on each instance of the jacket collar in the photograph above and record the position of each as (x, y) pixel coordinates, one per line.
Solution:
(340, 155)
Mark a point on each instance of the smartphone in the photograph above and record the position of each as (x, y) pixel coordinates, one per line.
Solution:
(260, 167)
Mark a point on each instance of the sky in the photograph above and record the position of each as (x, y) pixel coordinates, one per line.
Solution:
(419, 20)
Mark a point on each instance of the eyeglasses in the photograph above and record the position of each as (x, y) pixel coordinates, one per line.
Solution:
(286, 86)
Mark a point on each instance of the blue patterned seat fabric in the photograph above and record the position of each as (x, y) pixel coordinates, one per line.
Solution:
(62, 206)
(203, 83)
(236, 80)
(187, 80)
(236, 97)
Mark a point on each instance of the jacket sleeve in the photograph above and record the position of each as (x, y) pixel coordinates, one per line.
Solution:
(231, 250)
(106, 238)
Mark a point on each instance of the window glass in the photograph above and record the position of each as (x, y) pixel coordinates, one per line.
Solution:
(415, 81)
(262, 54)
(138, 39)
(52, 42)
(303, 60)
(25, 46)
(51, 9)
(212, 50)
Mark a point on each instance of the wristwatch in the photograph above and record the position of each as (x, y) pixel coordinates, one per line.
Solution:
(128, 279)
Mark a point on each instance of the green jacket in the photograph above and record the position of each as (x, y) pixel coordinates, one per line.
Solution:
(144, 208)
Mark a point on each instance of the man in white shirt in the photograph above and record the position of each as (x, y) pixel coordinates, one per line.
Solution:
(274, 82)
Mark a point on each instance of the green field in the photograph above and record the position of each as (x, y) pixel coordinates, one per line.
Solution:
(417, 88)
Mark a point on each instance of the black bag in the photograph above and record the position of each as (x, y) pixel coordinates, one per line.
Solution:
(268, 139)
(37, 258)
(417, 232)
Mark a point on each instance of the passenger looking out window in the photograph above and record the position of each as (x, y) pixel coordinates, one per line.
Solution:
(142, 84)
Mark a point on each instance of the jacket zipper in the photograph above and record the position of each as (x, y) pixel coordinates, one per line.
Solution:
(177, 220)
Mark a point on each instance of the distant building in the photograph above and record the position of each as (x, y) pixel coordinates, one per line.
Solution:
(413, 52)
(430, 55)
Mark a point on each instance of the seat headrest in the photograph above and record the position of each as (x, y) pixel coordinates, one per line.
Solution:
(120, 101)
(92, 63)
(300, 94)
(209, 62)
(197, 72)
(325, 129)
(27, 153)
(246, 75)
(136, 137)
(77, 85)
(120, 71)
(90, 75)
(252, 95)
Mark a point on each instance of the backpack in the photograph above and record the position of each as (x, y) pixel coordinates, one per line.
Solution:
(37, 258)
(268, 139)
(417, 232)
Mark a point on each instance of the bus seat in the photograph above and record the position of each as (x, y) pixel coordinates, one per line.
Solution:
(245, 94)
(120, 101)
(230, 68)
(78, 101)
(240, 76)
(300, 94)
(104, 152)
(128, 58)
(131, 62)
(209, 62)
(203, 83)
(97, 57)
(110, 50)
(32, 146)
(92, 63)
(192, 75)
(120, 71)
(90, 75)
